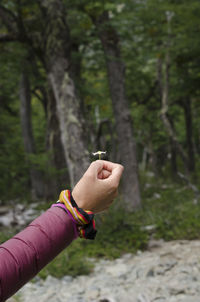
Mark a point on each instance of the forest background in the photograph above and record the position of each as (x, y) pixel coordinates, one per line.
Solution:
(81, 76)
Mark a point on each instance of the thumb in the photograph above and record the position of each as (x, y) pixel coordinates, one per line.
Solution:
(95, 168)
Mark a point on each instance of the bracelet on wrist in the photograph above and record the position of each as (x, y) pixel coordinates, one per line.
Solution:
(84, 219)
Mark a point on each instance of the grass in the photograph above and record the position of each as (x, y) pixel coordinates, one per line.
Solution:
(6, 234)
(171, 211)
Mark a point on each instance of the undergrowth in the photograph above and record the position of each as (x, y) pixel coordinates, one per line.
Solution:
(169, 208)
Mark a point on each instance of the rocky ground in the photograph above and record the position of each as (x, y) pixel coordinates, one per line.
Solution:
(17, 215)
(167, 272)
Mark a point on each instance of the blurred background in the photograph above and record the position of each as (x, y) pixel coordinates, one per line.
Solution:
(121, 76)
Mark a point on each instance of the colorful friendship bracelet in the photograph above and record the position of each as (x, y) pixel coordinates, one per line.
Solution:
(83, 219)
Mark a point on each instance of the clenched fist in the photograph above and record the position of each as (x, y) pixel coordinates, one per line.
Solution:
(98, 187)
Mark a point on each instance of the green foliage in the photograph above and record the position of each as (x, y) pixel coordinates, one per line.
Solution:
(39, 125)
(12, 165)
(175, 213)
(6, 234)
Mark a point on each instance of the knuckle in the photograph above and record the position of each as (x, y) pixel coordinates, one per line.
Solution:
(121, 167)
(93, 164)
(90, 175)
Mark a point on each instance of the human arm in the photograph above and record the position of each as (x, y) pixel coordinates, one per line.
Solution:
(24, 255)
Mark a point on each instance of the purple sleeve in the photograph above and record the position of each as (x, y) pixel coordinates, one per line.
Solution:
(24, 255)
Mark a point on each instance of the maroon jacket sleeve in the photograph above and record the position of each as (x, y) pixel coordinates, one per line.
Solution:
(24, 255)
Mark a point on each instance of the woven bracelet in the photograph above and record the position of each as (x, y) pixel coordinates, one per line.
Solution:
(84, 219)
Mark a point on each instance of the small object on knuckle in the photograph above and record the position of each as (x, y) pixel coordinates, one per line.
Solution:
(99, 153)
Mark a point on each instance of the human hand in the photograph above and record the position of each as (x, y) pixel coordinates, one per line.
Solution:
(98, 187)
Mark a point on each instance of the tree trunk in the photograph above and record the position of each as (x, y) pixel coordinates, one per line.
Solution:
(123, 121)
(152, 154)
(189, 134)
(68, 105)
(173, 153)
(76, 154)
(164, 87)
(104, 130)
(163, 80)
(59, 179)
(37, 187)
(195, 114)
(174, 169)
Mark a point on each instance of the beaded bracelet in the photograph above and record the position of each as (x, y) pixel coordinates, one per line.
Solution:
(83, 219)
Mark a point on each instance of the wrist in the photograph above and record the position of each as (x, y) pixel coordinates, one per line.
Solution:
(83, 218)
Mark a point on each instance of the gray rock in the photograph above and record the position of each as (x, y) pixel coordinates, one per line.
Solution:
(6, 220)
(149, 228)
(190, 299)
(67, 279)
(168, 273)
(155, 243)
(156, 196)
(4, 210)
(93, 294)
(150, 273)
(159, 299)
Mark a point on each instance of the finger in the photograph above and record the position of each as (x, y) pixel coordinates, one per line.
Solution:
(98, 166)
(108, 165)
(95, 168)
(104, 174)
(114, 178)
